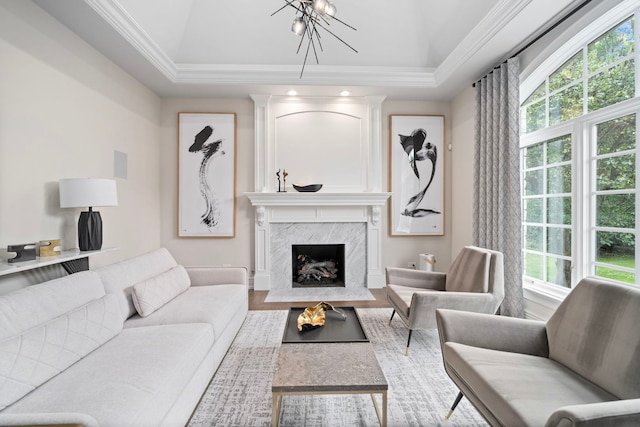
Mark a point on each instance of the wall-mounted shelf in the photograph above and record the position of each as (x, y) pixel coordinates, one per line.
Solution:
(68, 259)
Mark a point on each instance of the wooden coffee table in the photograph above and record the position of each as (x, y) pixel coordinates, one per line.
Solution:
(328, 368)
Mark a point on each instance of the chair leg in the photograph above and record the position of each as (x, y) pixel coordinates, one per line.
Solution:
(406, 352)
(453, 407)
(392, 314)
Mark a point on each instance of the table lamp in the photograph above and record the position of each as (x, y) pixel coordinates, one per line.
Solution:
(88, 193)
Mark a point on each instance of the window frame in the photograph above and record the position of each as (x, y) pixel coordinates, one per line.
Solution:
(537, 137)
(589, 160)
(583, 172)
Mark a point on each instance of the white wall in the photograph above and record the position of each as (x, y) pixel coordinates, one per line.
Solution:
(462, 154)
(64, 109)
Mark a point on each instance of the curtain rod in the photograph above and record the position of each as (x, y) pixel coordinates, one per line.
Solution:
(541, 35)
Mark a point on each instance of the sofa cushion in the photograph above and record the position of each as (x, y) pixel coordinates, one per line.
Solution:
(519, 389)
(132, 380)
(591, 333)
(46, 301)
(35, 356)
(215, 305)
(151, 294)
(120, 277)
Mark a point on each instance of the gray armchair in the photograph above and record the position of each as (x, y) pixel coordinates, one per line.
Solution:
(581, 368)
(474, 282)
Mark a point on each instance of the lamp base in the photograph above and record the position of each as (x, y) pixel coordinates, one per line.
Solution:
(90, 231)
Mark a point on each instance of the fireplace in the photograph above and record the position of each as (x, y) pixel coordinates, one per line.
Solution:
(318, 265)
(345, 134)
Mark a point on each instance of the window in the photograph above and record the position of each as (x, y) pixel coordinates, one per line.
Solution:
(614, 197)
(579, 160)
(547, 203)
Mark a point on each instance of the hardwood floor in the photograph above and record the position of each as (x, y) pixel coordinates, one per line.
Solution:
(256, 301)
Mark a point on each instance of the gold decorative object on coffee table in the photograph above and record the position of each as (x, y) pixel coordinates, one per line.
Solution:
(314, 317)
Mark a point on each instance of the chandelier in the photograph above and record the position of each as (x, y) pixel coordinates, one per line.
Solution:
(311, 15)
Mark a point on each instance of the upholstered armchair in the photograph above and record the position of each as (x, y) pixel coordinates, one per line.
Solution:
(580, 368)
(474, 282)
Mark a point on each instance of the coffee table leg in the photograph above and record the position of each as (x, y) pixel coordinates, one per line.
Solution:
(276, 406)
(384, 408)
(382, 418)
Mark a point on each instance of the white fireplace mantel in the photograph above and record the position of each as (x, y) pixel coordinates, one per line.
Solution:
(318, 199)
(317, 210)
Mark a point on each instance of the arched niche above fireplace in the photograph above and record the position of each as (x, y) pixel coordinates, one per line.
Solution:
(322, 147)
(336, 142)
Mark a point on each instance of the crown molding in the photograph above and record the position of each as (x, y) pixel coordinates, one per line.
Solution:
(113, 13)
(499, 16)
(315, 75)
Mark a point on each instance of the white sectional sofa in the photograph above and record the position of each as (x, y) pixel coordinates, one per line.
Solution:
(131, 344)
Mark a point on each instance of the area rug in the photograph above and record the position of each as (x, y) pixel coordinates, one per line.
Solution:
(319, 294)
(420, 393)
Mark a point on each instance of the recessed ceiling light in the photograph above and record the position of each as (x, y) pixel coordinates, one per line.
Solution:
(345, 93)
(292, 93)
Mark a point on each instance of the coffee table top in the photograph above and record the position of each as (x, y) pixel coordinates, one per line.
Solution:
(328, 367)
(334, 330)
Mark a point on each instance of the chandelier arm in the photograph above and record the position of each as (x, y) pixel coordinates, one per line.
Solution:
(344, 23)
(300, 44)
(289, 3)
(326, 21)
(330, 32)
(315, 31)
(305, 58)
(313, 45)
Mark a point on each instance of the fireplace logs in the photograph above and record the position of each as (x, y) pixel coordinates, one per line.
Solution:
(311, 271)
(318, 265)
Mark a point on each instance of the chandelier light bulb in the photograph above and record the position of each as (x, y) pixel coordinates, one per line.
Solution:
(320, 6)
(298, 26)
(330, 10)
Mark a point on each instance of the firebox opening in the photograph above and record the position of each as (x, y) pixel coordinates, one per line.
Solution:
(317, 265)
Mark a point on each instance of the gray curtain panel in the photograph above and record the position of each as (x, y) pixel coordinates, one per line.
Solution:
(497, 214)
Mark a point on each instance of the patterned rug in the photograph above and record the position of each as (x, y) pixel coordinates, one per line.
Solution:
(420, 392)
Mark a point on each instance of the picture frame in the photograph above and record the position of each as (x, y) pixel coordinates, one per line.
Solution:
(206, 175)
(416, 175)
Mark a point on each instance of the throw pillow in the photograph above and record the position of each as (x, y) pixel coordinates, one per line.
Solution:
(151, 294)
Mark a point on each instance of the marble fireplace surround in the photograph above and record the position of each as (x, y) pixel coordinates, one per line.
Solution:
(285, 219)
(333, 141)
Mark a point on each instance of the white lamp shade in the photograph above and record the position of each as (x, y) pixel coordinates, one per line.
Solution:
(88, 192)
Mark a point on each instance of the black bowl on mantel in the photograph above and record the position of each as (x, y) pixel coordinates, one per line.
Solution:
(311, 188)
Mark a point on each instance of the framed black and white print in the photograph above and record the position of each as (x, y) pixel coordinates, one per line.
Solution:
(416, 175)
(206, 174)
